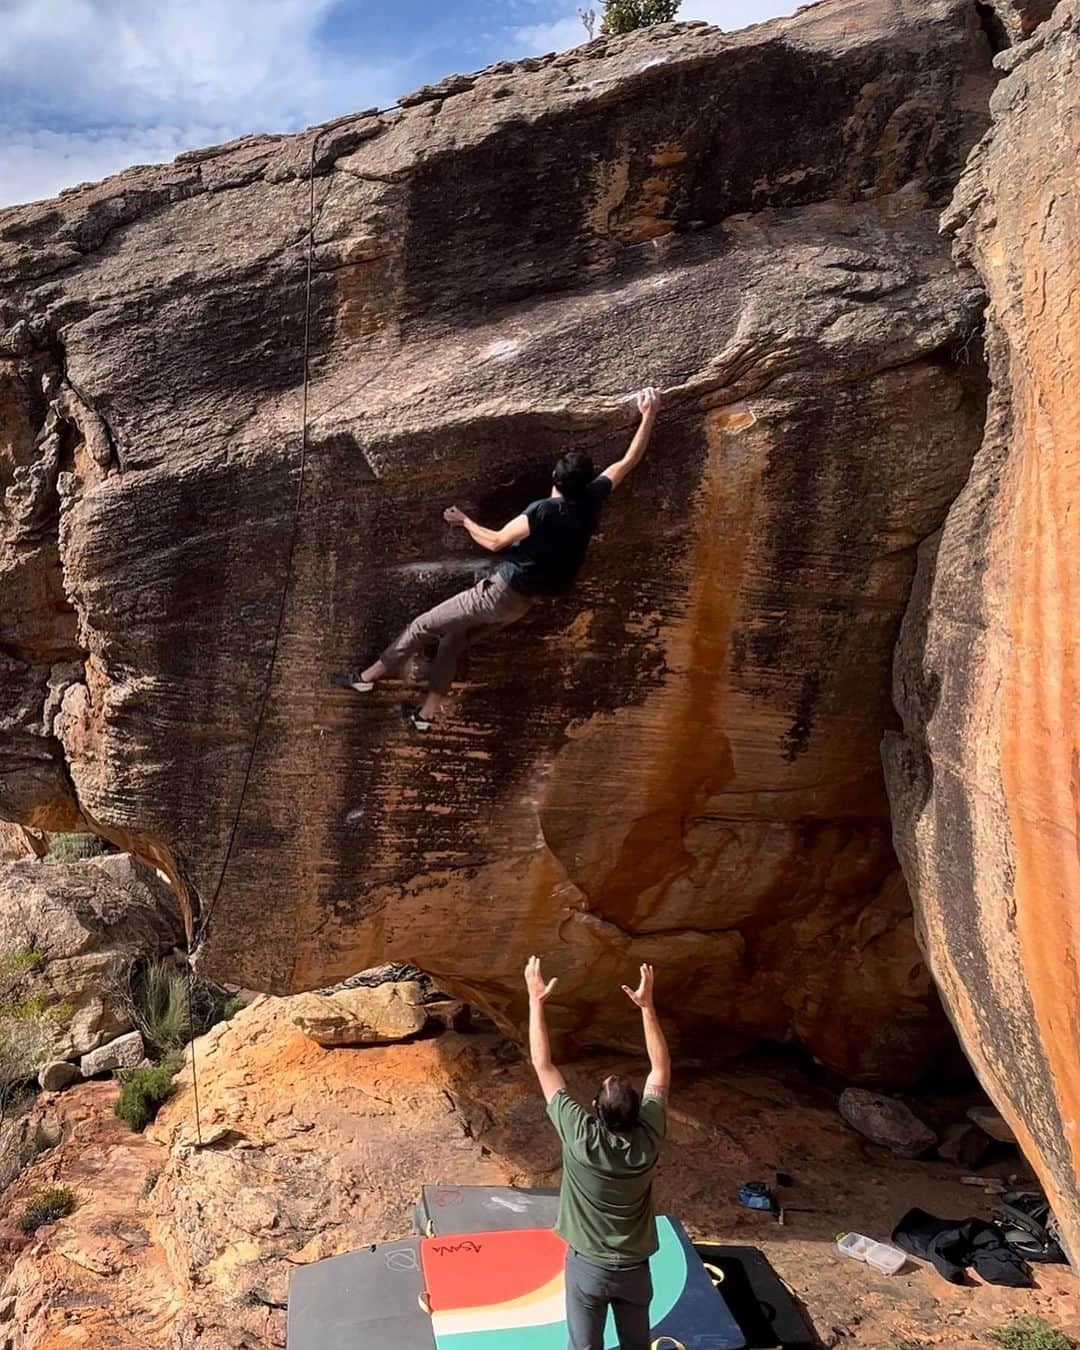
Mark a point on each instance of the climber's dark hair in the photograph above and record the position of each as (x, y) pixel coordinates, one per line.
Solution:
(573, 473)
(617, 1104)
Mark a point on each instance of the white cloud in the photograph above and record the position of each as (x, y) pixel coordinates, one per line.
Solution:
(733, 14)
(36, 164)
(535, 39)
(90, 86)
(126, 60)
(566, 29)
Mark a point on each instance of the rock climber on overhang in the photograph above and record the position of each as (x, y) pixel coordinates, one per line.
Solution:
(545, 547)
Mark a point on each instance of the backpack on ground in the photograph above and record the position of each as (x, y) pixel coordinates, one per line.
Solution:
(1028, 1226)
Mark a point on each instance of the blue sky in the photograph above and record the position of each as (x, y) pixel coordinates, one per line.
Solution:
(88, 87)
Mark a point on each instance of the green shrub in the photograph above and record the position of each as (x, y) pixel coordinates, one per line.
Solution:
(164, 1007)
(623, 16)
(66, 848)
(169, 1004)
(50, 1204)
(143, 1091)
(1028, 1332)
(231, 1007)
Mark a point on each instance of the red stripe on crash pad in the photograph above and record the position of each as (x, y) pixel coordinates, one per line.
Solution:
(478, 1270)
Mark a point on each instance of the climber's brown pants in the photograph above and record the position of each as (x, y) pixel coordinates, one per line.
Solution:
(455, 623)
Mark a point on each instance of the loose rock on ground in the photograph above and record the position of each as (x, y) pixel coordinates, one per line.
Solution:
(125, 1052)
(886, 1121)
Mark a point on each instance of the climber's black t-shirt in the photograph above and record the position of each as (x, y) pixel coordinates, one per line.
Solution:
(547, 561)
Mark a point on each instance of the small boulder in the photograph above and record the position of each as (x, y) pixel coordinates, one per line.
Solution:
(886, 1121)
(964, 1144)
(56, 1075)
(374, 1015)
(125, 1052)
(449, 1013)
(991, 1123)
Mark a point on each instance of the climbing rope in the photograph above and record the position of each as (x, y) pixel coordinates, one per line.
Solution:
(191, 1041)
(265, 696)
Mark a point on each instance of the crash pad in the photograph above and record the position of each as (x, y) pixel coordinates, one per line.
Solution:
(762, 1304)
(365, 1298)
(484, 1288)
(483, 1209)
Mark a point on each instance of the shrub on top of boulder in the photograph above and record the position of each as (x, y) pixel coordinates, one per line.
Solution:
(74, 847)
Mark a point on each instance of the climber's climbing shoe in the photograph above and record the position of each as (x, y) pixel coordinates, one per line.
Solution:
(353, 681)
(412, 716)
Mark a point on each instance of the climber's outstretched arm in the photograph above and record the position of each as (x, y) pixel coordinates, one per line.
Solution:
(551, 1080)
(493, 540)
(659, 1079)
(648, 401)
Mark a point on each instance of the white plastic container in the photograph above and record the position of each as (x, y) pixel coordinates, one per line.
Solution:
(854, 1245)
(878, 1255)
(885, 1258)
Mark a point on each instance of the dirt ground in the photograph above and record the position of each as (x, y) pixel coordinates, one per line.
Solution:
(310, 1152)
(753, 1118)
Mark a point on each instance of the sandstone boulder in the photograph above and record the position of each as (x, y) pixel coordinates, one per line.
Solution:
(89, 921)
(964, 1143)
(887, 1122)
(16, 842)
(991, 1122)
(449, 1013)
(125, 1052)
(987, 677)
(57, 1074)
(1014, 21)
(677, 764)
(362, 1016)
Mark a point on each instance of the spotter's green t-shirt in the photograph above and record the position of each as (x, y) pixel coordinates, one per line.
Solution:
(605, 1201)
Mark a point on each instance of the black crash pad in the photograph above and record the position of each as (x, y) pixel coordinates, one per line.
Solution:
(761, 1303)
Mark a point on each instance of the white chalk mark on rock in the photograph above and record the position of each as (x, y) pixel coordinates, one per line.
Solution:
(499, 351)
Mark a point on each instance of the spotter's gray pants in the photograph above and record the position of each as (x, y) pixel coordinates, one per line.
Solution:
(491, 603)
(591, 1288)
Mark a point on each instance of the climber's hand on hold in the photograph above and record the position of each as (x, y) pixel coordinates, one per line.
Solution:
(642, 996)
(454, 516)
(534, 980)
(648, 402)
